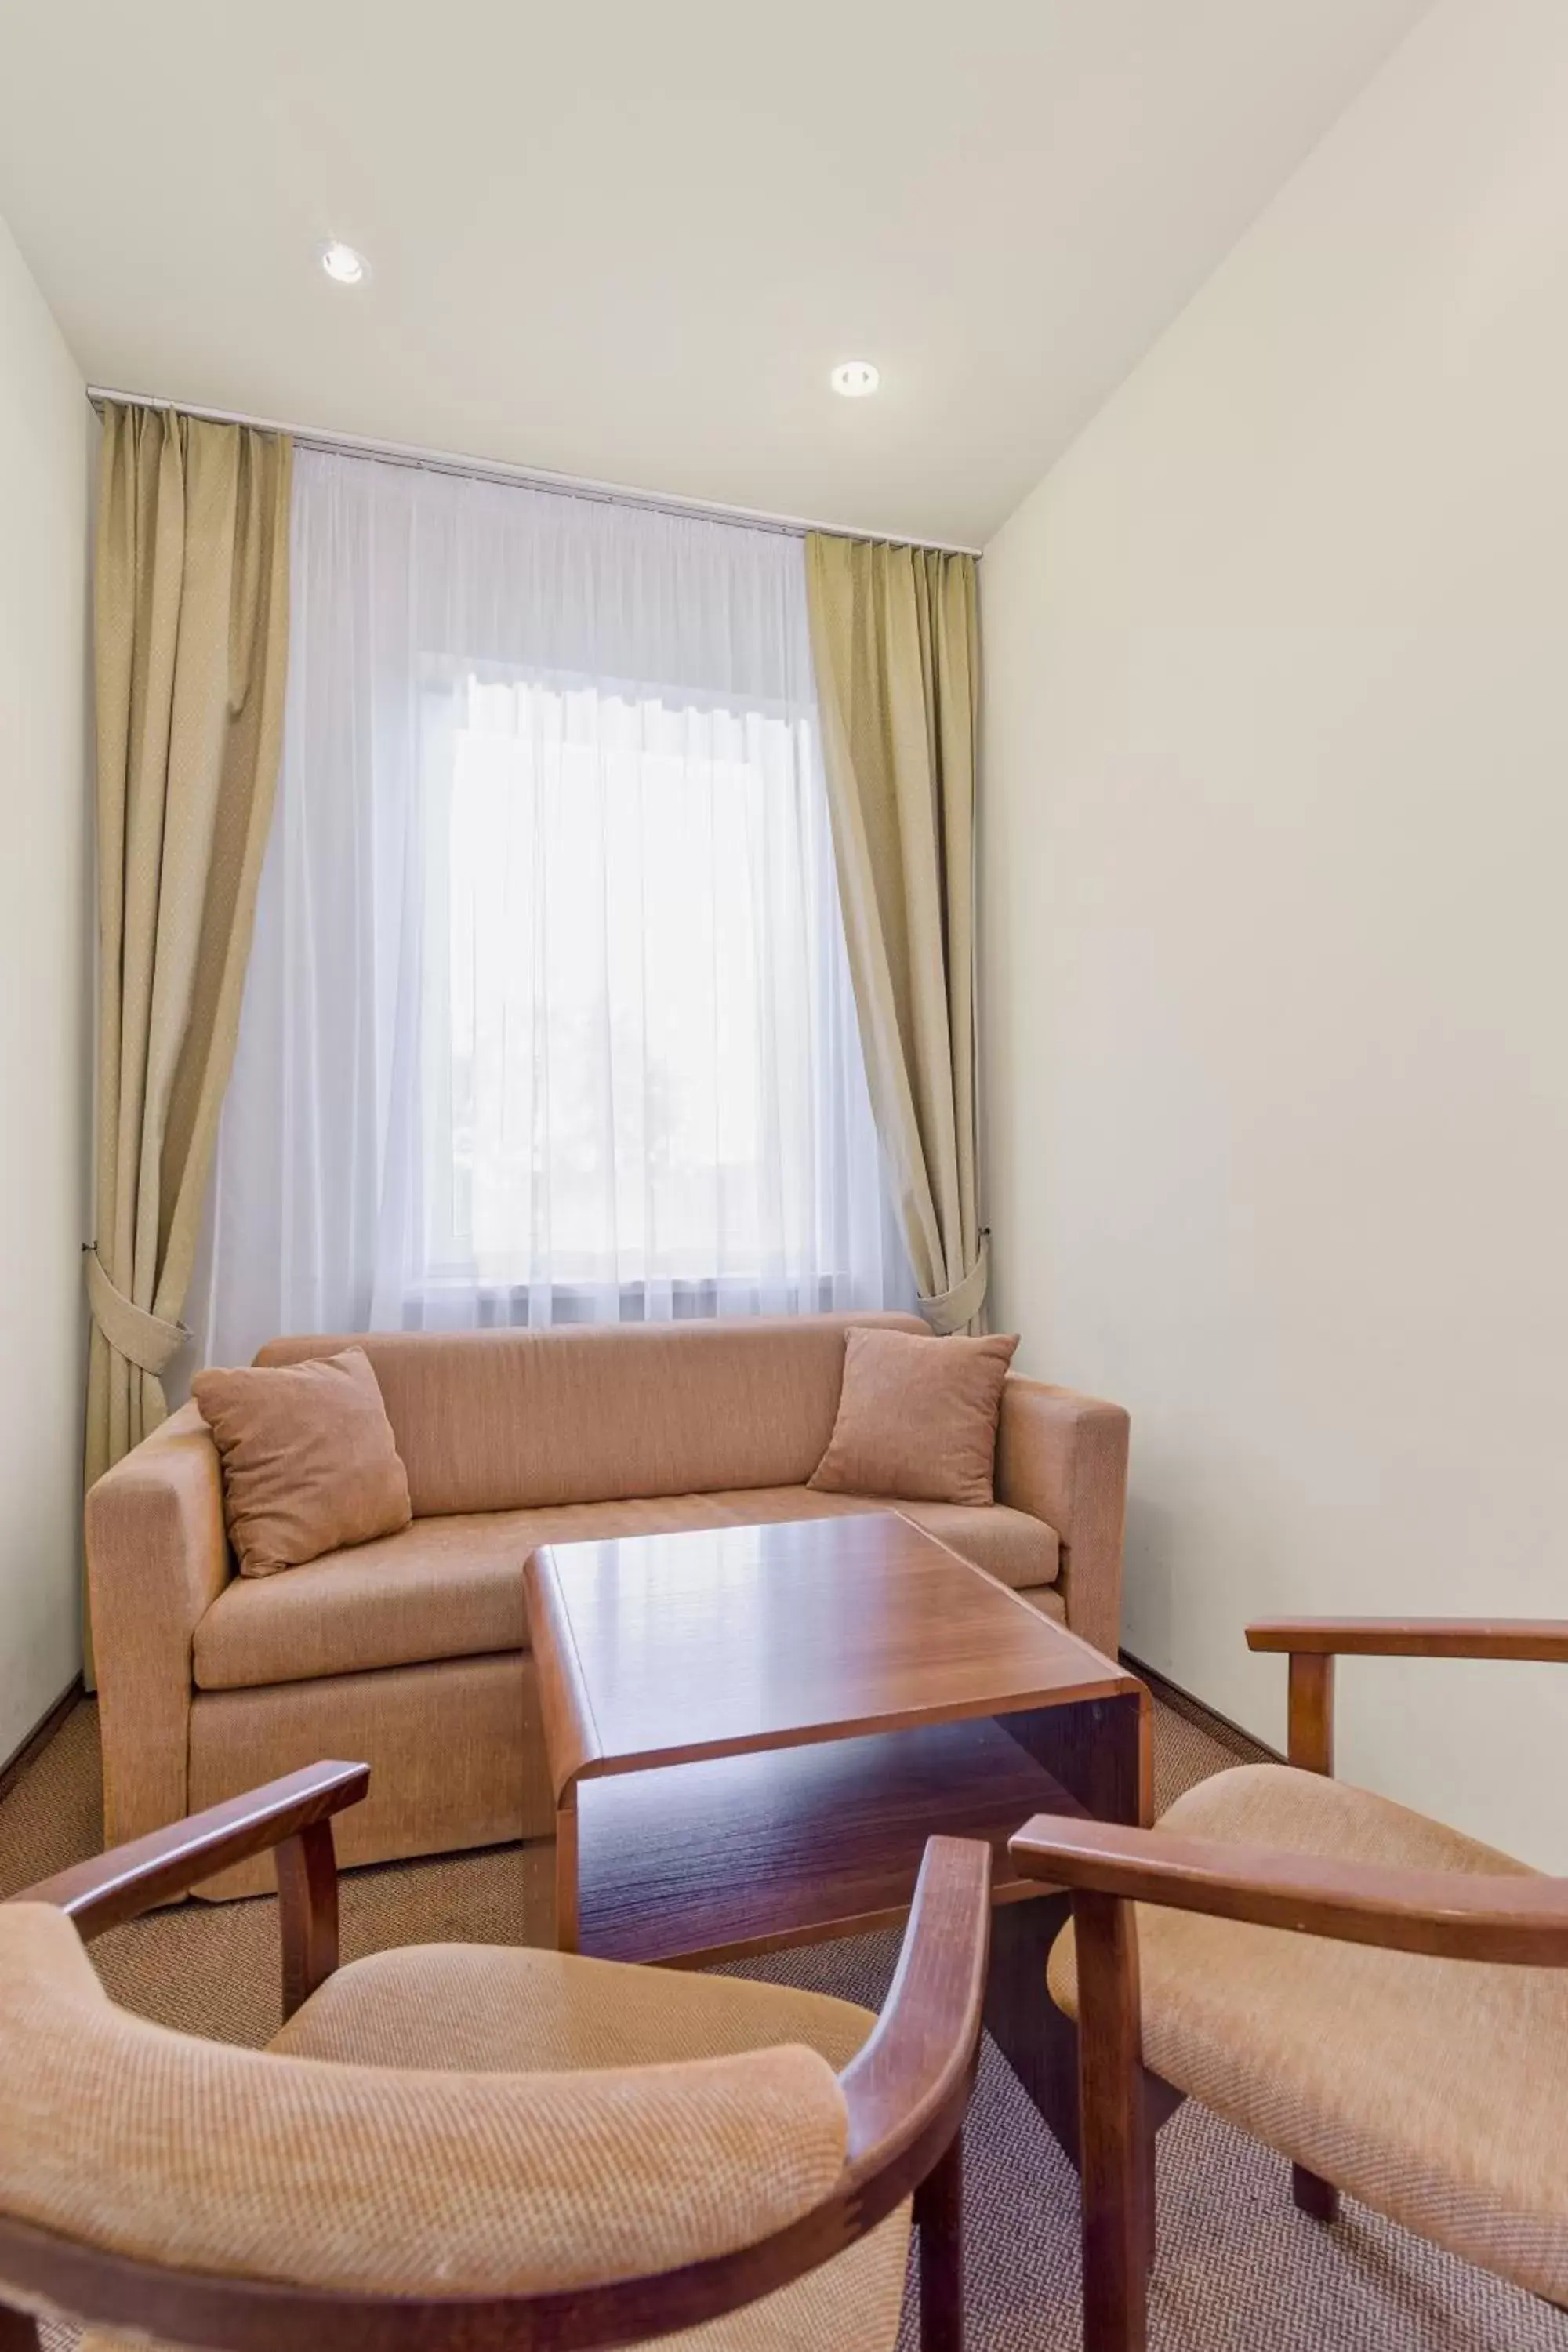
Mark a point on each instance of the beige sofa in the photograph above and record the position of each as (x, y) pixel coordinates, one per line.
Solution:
(412, 1654)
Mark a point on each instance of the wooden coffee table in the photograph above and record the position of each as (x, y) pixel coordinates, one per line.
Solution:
(752, 1732)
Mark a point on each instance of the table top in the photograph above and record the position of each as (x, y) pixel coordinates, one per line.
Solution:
(659, 1649)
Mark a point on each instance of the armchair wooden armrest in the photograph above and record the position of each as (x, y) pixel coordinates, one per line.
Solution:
(292, 1815)
(1521, 1920)
(1414, 1637)
(907, 2088)
(1313, 1643)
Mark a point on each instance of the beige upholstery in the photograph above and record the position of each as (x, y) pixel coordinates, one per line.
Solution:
(918, 1420)
(123, 2136)
(496, 2009)
(157, 1559)
(456, 1754)
(408, 1651)
(1434, 2090)
(1015, 1549)
(1062, 1457)
(480, 2008)
(443, 1588)
(450, 2143)
(310, 1462)
(450, 1587)
(504, 1421)
(1050, 1601)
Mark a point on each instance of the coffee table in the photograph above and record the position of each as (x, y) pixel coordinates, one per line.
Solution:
(752, 1731)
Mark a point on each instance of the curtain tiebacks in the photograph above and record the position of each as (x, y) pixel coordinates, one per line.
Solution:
(950, 1310)
(144, 1339)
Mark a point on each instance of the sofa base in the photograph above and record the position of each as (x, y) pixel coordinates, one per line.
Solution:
(456, 1754)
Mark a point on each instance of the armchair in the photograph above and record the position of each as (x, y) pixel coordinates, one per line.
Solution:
(509, 2148)
(1371, 1993)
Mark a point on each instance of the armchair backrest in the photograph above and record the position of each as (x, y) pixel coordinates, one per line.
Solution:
(136, 2142)
(194, 2193)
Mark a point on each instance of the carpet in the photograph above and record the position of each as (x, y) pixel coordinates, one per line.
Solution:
(1238, 2269)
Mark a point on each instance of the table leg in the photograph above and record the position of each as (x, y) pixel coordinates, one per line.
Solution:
(566, 1870)
(1038, 2042)
(1098, 1750)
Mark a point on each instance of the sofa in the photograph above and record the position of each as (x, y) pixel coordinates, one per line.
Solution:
(411, 1652)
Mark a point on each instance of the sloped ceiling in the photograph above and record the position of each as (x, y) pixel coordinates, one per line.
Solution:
(629, 241)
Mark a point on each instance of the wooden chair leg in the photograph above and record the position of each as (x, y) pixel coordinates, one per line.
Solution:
(307, 1913)
(1116, 2167)
(1150, 2202)
(1318, 2197)
(938, 2217)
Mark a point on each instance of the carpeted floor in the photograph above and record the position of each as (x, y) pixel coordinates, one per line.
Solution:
(1239, 2270)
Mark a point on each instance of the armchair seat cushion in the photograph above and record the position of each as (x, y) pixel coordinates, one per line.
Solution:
(1434, 2090)
(505, 2009)
(452, 1588)
(482, 2009)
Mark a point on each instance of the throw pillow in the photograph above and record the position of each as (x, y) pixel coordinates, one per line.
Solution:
(917, 1418)
(310, 1462)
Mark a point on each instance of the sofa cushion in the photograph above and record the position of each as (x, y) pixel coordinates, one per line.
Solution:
(308, 1459)
(516, 1420)
(443, 1587)
(1009, 1545)
(917, 1421)
(452, 1587)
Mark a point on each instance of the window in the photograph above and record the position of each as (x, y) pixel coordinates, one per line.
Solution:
(632, 985)
(548, 1016)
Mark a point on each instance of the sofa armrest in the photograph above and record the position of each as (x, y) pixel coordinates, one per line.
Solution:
(157, 1557)
(1063, 1458)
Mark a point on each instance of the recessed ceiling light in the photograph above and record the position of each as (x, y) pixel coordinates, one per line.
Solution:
(344, 265)
(855, 379)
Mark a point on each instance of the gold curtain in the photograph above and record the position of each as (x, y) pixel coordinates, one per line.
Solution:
(895, 641)
(191, 628)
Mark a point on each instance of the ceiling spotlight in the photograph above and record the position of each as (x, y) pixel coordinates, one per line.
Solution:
(344, 265)
(855, 379)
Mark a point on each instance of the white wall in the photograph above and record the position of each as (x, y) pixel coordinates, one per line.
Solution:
(1276, 901)
(44, 935)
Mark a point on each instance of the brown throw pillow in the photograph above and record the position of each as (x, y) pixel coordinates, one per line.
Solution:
(917, 1418)
(310, 1462)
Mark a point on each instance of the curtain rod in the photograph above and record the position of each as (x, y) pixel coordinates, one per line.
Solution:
(483, 470)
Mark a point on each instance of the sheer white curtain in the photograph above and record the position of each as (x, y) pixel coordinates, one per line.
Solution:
(548, 1016)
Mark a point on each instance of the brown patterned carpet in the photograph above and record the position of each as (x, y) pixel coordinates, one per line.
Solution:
(1239, 2270)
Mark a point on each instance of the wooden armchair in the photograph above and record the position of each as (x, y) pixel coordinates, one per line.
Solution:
(1367, 1991)
(509, 2149)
